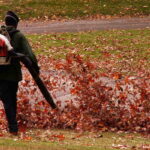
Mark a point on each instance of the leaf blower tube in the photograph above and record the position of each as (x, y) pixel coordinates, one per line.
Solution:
(28, 64)
(26, 61)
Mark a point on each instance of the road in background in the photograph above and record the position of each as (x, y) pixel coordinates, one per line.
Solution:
(84, 25)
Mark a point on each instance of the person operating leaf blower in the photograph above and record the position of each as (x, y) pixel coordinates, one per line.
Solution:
(10, 69)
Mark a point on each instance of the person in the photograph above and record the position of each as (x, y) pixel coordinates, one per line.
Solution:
(11, 75)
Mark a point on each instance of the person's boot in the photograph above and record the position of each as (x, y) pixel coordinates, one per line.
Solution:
(14, 133)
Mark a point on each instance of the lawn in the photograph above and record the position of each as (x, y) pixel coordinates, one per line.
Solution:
(127, 50)
(72, 9)
(70, 140)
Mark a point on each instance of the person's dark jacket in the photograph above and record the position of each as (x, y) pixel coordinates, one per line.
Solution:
(21, 45)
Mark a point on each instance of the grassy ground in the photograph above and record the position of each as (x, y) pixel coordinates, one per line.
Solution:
(129, 47)
(69, 140)
(126, 46)
(74, 8)
(121, 46)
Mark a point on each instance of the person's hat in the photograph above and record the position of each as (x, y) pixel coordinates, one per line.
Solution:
(11, 18)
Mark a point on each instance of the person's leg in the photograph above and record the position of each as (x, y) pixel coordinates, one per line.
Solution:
(9, 98)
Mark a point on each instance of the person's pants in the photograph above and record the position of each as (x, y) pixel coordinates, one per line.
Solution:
(8, 95)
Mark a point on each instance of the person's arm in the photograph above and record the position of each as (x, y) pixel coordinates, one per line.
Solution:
(25, 48)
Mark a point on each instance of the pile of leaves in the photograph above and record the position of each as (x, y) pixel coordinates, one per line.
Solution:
(92, 105)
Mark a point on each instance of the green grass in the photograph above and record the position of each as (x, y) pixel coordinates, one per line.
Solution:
(128, 47)
(74, 8)
(73, 141)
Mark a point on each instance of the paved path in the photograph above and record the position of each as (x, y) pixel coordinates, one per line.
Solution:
(84, 25)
